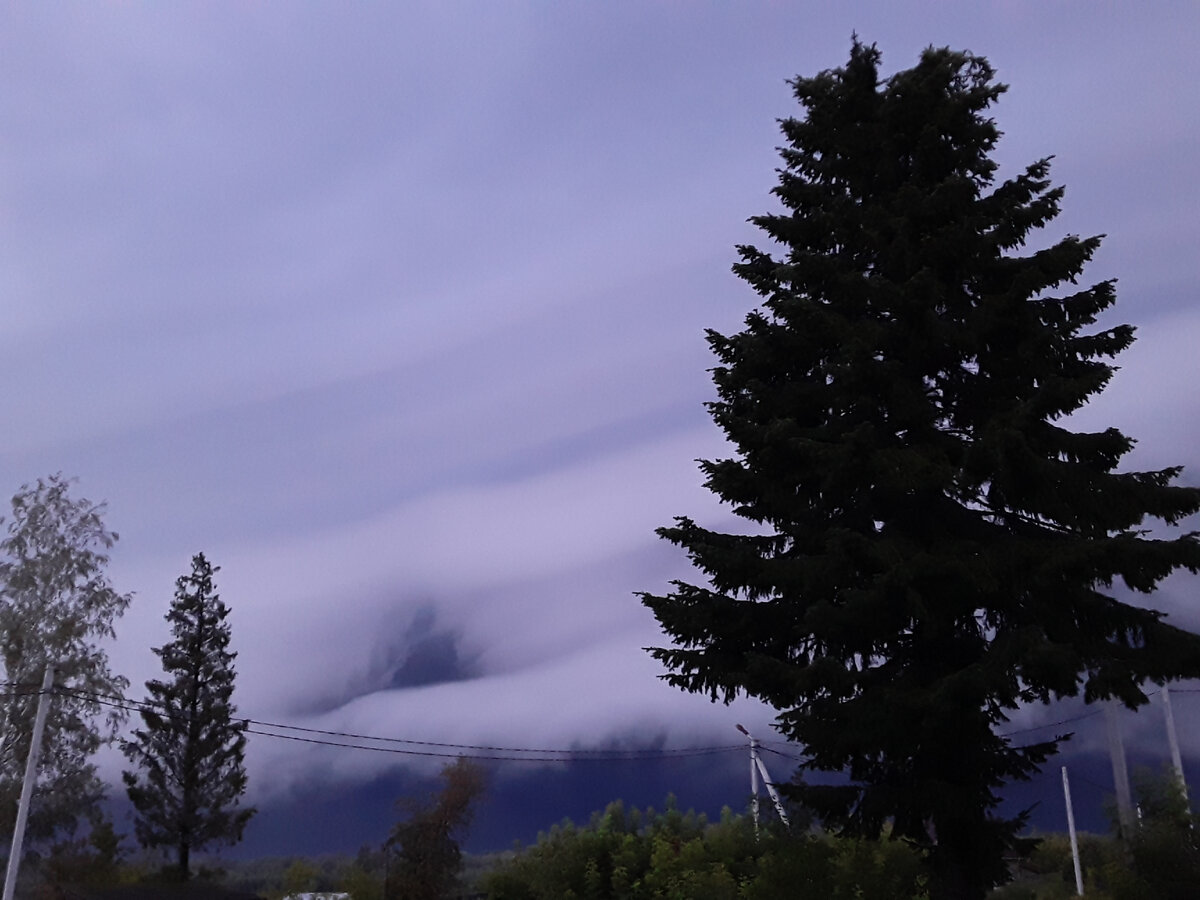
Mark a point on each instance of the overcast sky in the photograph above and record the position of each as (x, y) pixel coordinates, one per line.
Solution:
(396, 312)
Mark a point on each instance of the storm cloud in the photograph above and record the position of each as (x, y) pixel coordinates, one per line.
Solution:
(396, 312)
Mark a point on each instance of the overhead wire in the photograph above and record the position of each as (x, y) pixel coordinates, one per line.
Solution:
(444, 749)
(567, 755)
(1009, 733)
(1067, 721)
(790, 756)
(427, 748)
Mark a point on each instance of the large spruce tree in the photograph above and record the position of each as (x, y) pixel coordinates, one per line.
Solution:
(932, 546)
(186, 795)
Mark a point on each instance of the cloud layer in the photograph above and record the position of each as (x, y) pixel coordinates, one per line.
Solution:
(397, 314)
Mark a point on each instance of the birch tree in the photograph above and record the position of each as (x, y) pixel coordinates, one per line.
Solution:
(56, 606)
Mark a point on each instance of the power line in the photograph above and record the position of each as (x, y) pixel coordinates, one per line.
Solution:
(798, 759)
(625, 756)
(477, 751)
(619, 754)
(1081, 716)
(1067, 721)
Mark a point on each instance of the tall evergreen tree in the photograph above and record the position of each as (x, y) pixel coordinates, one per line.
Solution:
(932, 545)
(190, 753)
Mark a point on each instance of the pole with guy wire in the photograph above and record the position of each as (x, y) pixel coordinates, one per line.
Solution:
(35, 746)
(757, 767)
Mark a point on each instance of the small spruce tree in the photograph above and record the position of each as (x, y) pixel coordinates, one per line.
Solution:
(189, 756)
(932, 545)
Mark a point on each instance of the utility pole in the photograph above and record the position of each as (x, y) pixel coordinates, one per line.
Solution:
(753, 778)
(1071, 829)
(35, 746)
(1116, 750)
(1173, 742)
(756, 767)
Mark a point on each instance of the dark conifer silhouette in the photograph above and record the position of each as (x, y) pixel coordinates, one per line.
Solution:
(932, 545)
(190, 777)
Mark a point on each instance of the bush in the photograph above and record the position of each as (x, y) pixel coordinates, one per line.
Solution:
(681, 856)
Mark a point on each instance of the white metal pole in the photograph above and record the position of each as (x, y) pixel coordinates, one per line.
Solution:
(753, 777)
(771, 790)
(1173, 742)
(1071, 829)
(754, 782)
(35, 746)
(1116, 749)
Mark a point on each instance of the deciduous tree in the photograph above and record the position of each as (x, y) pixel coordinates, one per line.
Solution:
(930, 544)
(56, 606)
(624, 855)
(424, 857)
(190, 777)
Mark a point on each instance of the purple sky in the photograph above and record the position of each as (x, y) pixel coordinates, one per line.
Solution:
(396, 312)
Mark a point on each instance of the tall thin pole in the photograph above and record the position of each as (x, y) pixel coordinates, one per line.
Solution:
(756, 767)
(769, 785)
(35, 746)
(1173, 742)
(753, 777)
(1116, 750)
(1071, 829)
(754, 785)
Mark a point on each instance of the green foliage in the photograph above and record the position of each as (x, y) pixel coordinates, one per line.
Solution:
(424, 856)
(189, 755)
(681, 856)
(300, 877)
(1161, 800)
(1048, 873)
(929, 546)
(1166, 845)
(360, 883)
(1160, 862)
(275, 877)
(96, 859)
(56, 605)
